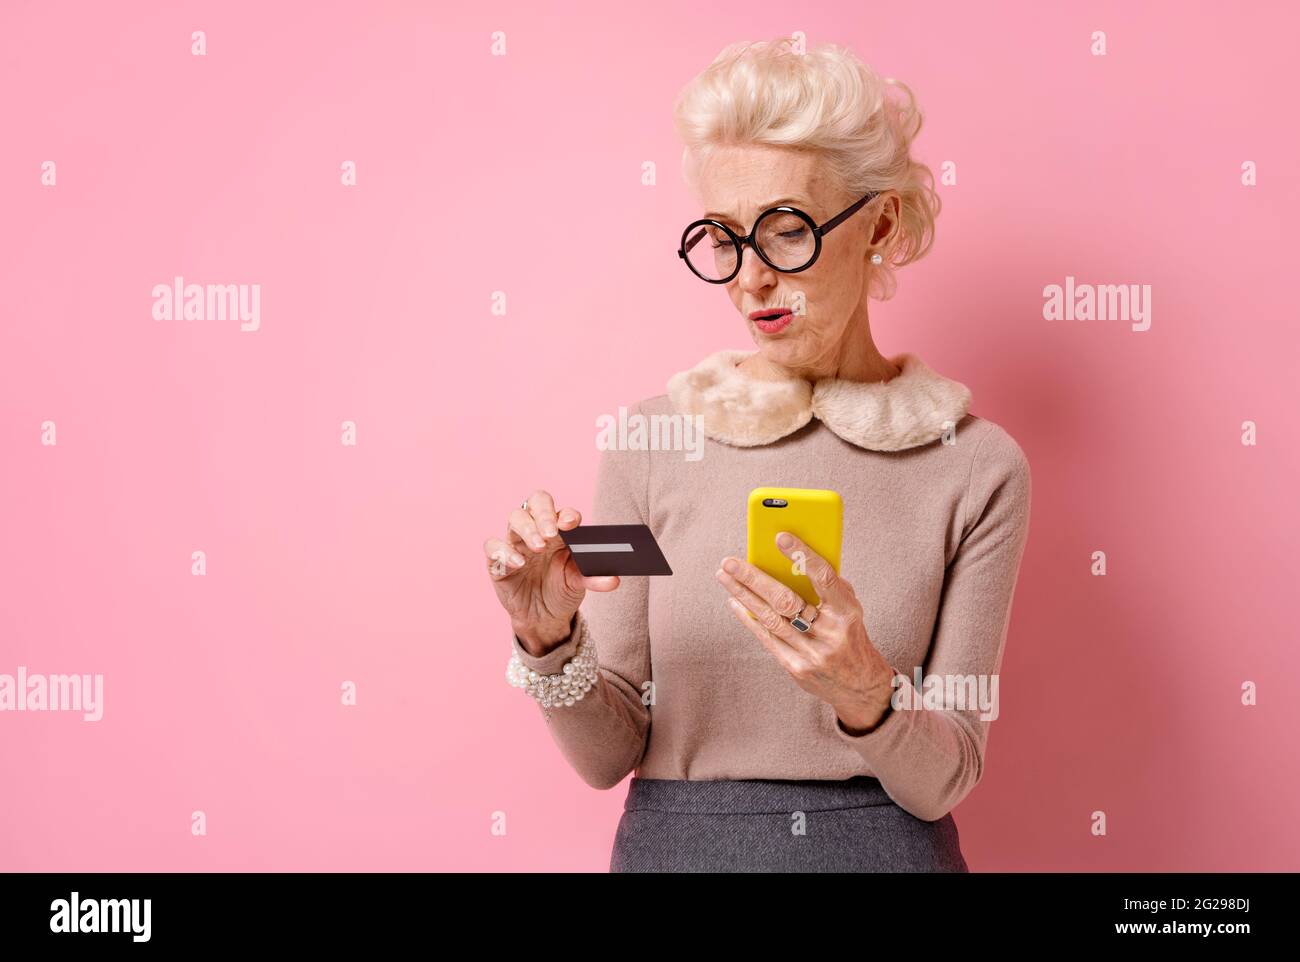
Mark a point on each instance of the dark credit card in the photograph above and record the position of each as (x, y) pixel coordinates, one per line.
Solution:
(615, 549)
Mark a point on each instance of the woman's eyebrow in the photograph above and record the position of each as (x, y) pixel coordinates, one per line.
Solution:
(728, 219)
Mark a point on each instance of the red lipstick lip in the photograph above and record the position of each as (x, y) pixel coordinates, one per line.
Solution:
(770, 312)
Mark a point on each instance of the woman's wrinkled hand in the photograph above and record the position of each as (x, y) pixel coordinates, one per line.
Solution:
(835, 659)
(536, 579)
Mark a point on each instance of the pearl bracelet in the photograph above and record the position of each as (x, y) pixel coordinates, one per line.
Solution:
(564, 687)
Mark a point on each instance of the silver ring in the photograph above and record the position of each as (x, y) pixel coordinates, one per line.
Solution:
(525, 504)
(798, 620)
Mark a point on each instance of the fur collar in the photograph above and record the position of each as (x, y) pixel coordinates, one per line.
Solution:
(903, 412)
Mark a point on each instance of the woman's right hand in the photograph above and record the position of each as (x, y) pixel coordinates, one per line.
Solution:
(536, 579)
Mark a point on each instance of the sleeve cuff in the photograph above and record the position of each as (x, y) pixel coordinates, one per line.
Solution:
(553, 661)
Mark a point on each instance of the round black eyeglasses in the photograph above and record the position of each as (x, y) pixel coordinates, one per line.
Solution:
(785, 238)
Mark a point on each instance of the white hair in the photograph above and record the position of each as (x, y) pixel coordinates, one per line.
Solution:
(825, 100)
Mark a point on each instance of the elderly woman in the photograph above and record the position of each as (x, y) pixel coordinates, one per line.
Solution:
(757, 743)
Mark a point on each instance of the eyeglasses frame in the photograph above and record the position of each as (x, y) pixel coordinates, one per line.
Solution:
(740, 242)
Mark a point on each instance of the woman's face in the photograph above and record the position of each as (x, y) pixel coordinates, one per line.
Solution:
(740, 182)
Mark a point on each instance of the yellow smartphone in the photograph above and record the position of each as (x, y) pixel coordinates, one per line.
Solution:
(813, 515)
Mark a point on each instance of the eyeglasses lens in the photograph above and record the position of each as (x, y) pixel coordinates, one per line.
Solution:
(784, 238)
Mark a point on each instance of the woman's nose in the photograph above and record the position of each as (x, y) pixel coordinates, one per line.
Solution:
(754, 274)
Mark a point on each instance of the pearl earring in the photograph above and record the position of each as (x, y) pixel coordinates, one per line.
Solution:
(876, 259)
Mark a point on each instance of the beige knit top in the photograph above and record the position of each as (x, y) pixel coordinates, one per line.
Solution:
(936, 515)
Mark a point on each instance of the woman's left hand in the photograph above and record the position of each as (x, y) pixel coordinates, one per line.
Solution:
(835, 659)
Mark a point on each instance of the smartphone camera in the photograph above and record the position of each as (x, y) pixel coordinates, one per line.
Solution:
(775, 502)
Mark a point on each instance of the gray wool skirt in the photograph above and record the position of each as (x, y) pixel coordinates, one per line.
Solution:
(671, 825)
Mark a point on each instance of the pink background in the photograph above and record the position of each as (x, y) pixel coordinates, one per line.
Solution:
(522, 174)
